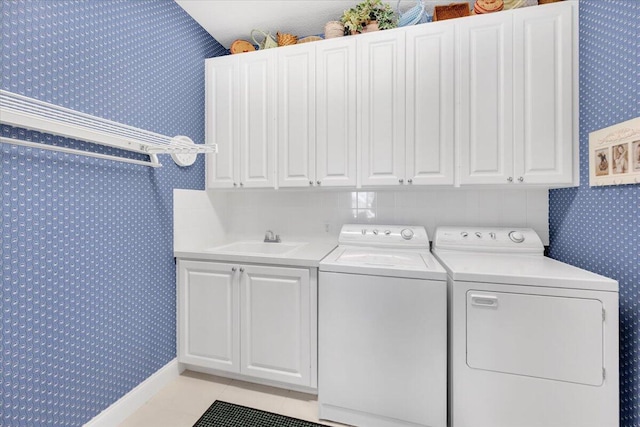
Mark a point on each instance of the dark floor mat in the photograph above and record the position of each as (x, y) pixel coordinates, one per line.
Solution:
(224, 414)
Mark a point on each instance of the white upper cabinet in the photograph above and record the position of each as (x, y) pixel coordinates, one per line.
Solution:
(222, 107)
(381, 64)
(430, 104)
(296, 116)
(257, 119)
(336, 112)
(543, 101)
(240, 112)
(485, 111)
(489, 99)
(516, 107)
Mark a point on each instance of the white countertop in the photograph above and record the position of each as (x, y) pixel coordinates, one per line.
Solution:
(308, 255)
(528, 270)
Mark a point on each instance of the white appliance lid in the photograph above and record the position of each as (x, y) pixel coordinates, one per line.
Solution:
(419, 264)
(520, 269)
(393, 259)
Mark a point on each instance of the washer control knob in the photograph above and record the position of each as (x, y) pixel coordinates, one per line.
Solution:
(516, 237)
(387, 232)
(364, 231)
(478, 234)
(375, 232)
(407, 234)
(464, 234)
(492, 235)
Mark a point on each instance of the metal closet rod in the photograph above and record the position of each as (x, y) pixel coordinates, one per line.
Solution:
(41, 146)
(32, 114)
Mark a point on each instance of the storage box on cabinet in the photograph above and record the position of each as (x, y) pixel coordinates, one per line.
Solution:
(253, 320)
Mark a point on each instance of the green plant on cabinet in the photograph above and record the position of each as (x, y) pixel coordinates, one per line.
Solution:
(357, 18)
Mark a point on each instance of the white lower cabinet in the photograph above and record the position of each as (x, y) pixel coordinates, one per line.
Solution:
(257, 321)
(208, 316)
(275, 325)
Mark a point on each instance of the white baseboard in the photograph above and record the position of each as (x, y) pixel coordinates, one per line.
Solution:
(129, 403)
(249, 379)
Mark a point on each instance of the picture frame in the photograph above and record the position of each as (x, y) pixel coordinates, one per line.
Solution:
(614, 154)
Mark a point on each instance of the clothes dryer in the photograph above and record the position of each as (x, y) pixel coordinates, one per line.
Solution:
(533, 341)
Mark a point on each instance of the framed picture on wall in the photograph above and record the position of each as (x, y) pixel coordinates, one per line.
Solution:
(635, 161)
(614, 154)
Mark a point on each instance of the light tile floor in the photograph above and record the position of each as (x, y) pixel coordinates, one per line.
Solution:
(181, 403)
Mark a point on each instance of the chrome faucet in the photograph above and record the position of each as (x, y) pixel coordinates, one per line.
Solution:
(270, 238)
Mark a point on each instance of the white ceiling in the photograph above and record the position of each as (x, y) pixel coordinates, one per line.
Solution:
(228, 20)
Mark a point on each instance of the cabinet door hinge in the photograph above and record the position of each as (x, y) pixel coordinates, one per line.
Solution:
(604, 314)
(604, 373)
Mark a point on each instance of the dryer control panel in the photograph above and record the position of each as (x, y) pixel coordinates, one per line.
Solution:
(488, 239)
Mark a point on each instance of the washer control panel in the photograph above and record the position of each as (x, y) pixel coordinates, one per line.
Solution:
(384, 235)
(488, 239)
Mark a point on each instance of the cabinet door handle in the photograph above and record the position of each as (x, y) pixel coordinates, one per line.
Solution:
(233, 269)
(310, 182)
(510, 179)
(520, 179)
(318, 182)
(241, 269)
(410, 181)
(401, 180)
(235, 184)
(241, 184)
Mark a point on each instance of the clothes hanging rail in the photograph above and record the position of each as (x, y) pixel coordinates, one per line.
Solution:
(32, 114)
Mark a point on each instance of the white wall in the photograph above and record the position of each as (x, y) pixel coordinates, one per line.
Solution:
(294, 214)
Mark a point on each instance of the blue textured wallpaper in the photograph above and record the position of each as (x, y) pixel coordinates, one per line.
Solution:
(88, 276)
(599, 228)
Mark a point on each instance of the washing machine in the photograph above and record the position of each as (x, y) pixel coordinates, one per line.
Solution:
(382, 329)
(533, 341)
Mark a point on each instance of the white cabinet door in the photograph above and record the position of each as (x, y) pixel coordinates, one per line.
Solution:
(257, 118)
(485, 110)
(430, 104)
(543, 95)
(296, 116)
(381, 61)
(208, 317)
(275, 305)
(222, 104)
(336, 112)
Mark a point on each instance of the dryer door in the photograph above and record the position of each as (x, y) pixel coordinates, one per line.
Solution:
(550, 337)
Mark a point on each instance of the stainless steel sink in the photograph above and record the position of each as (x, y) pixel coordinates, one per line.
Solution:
(258, 248)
